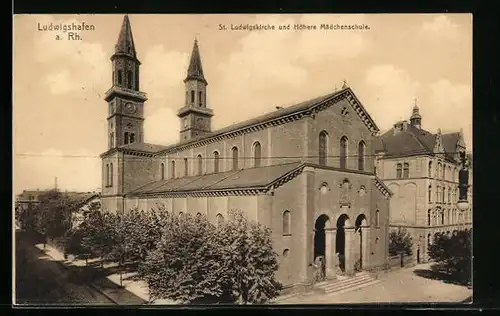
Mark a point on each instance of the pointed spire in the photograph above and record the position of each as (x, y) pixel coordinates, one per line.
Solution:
(195, 69)
(416, 111)
(125, 44)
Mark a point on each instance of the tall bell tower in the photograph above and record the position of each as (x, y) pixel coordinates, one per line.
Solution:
(195, 116)
(125, 100)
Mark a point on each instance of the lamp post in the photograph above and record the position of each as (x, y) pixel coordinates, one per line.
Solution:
(463, 185)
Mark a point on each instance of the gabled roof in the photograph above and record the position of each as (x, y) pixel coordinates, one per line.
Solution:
(281, 116)
(252, 178)
(414, 141)
(81, 198)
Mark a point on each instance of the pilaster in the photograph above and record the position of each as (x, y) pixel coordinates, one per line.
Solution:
(349, 250)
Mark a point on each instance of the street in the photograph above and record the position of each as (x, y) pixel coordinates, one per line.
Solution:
(42, 281)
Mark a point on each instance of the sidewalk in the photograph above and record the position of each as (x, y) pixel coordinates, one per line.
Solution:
(134, 292)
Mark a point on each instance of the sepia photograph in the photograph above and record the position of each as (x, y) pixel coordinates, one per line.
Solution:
(242, 159)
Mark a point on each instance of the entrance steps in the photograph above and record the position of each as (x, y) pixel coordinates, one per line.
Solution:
(345, 284)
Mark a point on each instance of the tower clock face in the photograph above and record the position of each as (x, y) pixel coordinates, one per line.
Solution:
(130, 108)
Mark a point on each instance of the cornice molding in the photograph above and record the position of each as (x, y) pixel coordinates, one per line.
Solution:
(383, 188)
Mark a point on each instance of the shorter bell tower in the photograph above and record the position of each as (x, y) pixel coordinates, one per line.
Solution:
(195, 116)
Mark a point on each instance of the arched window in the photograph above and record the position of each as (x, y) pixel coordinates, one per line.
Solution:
(438, 170)
(235, 158)
(107, 174)
(429, 218)
(186, 167)
(443, 195)
(219, 219)
(187, 100)
(286, 252)
(286, 222)
(200, 165)
(257, 154)
(442, 217)
(444, 172)
(429, 192)
(172, 171)
(361, 155)
(192, 96)
(449, 195)
(377, 218)
(129, 79)
(132, 138)
(119, 77)
(429, 170)
(437, 194)
(200, 100)
(406, 170)
(216, 161)
(399, 170)
(111, 174)
(162, 171)
(323, 148)
(126, 138)
(343, 152)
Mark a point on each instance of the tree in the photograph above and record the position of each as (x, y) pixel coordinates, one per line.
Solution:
(54, 214)
(454, 252)
(439, 250)
(27, 216)
(249, 261)
(99, 234)
(185, 265)
(400, 243)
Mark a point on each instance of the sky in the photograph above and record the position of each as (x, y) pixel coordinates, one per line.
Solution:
(59, 114)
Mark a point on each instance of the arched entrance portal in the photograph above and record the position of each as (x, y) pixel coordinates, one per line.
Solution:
(360, 221)
(418, 255)
(340, 240)
(320, 245)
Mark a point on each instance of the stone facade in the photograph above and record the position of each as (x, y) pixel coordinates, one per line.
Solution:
(306, 172)
(422, 173)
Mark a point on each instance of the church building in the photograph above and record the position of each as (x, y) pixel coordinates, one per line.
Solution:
(421, 170)
(305, 171)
